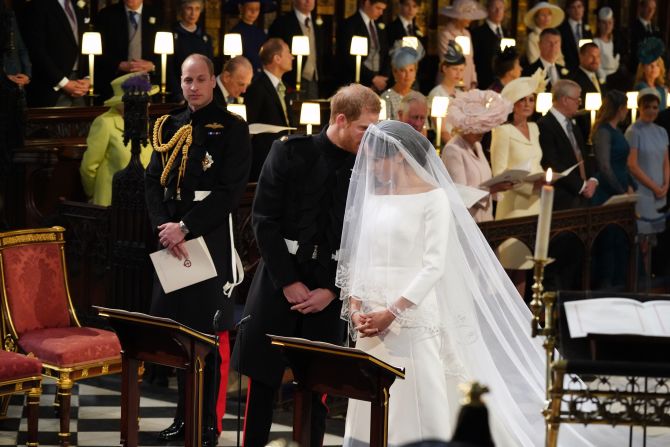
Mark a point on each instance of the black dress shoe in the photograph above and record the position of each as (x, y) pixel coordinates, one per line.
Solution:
(210, 437)
(173, 432)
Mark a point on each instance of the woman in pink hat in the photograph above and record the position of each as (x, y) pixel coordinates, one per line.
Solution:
(459, 16)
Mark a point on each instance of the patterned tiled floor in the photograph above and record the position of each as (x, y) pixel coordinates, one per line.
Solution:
(96, 412)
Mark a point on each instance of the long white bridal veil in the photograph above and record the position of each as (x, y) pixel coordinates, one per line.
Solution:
(484, 323)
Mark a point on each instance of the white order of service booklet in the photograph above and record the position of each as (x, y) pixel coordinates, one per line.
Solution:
(175, 274)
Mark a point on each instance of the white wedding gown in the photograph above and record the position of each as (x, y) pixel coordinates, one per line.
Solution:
(420, 407)
(409, 254)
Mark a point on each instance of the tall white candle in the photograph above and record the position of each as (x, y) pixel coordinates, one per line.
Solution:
(544, 219)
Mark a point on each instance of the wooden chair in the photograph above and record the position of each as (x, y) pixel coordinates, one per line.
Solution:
(21, 374)
(38, 316)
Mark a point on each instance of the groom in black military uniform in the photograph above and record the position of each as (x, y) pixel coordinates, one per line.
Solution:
(297, 218)
(192, 198)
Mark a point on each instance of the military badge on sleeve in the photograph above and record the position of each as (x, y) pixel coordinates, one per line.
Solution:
(207, 162)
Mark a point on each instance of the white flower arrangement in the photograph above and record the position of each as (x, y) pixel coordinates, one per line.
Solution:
(381, 26)
(152, 20)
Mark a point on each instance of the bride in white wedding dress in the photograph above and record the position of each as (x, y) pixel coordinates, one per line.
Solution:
(423, 290)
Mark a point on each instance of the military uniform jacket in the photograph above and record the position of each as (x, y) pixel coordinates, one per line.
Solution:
(218, 161)
(301, 196)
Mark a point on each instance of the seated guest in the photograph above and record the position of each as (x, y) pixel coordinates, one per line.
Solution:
(53, 30)
(651, 69)
(538, 18)
(301, 21)
(451, 68)
(516, 145)
(106, 154)
(375, 67)
(404, 62)
(610, 250)
(550, 48)
(266, 100)
(233, 81)
(459, 16)
(253, 36)
(587, 78)
(486, 41)
(610, 48)
(128, 30)
(413, 110)
(648, 163)
(573, 29)
(506, 68)
(189, 38)
(472, 114)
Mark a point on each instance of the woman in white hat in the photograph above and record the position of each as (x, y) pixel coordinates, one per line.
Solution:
(516, 145)
(542, 15)
(459, 16)
(609, 48)
(472, 114)
(105, 153)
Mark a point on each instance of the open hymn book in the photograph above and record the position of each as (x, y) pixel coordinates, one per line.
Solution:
(618, 316)
(518, 175)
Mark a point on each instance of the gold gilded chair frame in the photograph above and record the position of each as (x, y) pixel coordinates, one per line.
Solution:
(32, 387)
(64, 376)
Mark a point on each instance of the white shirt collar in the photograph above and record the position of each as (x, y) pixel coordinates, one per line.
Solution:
(301, 17)
(138, 10)
(404, 21)
(573, 23)
(366, 19)
(494, 26)
(589, 73)
(646, 23)
(274, 79)
(559, 117)
(219, 82)
(546, 63)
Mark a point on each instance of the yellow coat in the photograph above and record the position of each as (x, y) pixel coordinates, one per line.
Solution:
(510, 149)
(105, 156)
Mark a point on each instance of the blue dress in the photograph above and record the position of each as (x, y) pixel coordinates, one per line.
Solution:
(253, 39)
(611, 149)
(661, 91)
(651, 141)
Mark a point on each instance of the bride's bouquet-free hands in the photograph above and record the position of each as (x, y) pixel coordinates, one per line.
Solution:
(373, 323)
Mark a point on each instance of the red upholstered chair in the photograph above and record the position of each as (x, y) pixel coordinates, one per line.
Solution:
(38, 316)
(21, 374)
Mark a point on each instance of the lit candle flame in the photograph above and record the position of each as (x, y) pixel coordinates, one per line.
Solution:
(548, 177)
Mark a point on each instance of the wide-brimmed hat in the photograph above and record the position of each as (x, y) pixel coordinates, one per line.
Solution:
(478, 111)
(557, 15)
(524, 86)
(117, 88)
(464, 9)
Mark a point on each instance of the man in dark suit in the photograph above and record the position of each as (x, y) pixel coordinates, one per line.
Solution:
(301, 22)
(642, 28)
(585, 75)
(375, 68)
(233, 81)
(52, 30)
(266, 99)
(550, 48)
(128, 31)
(297, 217)
(217, 169)
(562, 147)
(405, 24)
(572, 30)
(486, 42)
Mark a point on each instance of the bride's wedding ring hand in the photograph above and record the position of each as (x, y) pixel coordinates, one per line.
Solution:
(375, 323)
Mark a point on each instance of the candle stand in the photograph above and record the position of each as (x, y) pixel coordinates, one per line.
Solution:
(543, 300)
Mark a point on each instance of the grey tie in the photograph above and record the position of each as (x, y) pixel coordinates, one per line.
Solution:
(578, 32)
(499, 32)
(132, 16)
